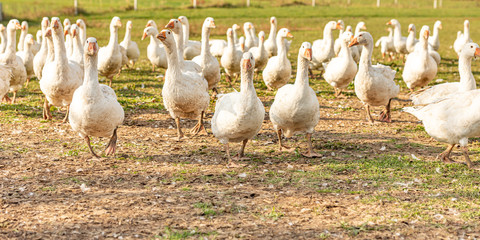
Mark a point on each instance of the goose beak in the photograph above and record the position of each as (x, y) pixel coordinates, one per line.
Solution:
(74, 32)
(339, 26)
(180, 19)
(144, 35)
(273, 21)
(389, 23)
(78, 22)
(426, 34)
(55, 24)
(92, 48)
(353, 42)
(262, 38)
(409, 29)
(170, 25)
(308, 54)
(119, 23)
(18, 26)
(246, 64)
(477, 52)
(24, 27)
(148, 25)
(48, 33)
(250, 26)
(289, 34)
(65, 33)
(162, 36)
(212, 24)
(364, 27)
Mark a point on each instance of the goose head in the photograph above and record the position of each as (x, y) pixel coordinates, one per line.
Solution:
(247, 26)
(470, 50)
(261, 36)
(361, 26)
(183, 20)
(362, 38)
(425, 32)
(306, 51)
(91, 47)
(437, 25)
(66, 30)
(273, 21)
(340, 24)
(175, 25)
(393, 22)
(81, 23)
(411, 27)
(466, 24)
(13, 25)
(29, 39)
(209, 22)
(284, 32)
(115, 23)
(348, 28)
(149, 31)
(151, 23)
(39, 35)
(347, 36)
(66, 22)
(48, 32)
(235, 27)
(129, 25)
(332, 25)
(24, 26)
(45, 23)
(248, 62)
(74, 30)
(166, 37)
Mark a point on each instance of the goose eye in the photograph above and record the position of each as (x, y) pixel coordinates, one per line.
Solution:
(168, 32)
(471, 46)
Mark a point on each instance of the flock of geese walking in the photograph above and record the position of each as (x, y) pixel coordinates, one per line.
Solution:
(68, 65)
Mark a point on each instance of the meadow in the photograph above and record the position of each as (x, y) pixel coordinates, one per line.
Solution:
(373, 181)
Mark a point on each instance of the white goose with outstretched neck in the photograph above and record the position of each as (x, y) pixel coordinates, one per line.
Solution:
(209, 64)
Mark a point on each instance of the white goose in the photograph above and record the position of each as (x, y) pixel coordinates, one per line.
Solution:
(338, 42)
(374, 85)
(27, 56)
(463, 39)
(131, 47)
(249, 39)
(12, 61)
(270, 43)
(68, 37)
(187, 65)
(77, 48)
(323, 48)
(94, 110)
(110, 57)
(185, 93)
(60, 77)
(341, 70)
(411, 40)
(260, 53)
(399, 42)
(231, 58)
(151, 23)
(83, 30)
(420, 68)
(360, 26)
(37, 43)
(23, 34)
(3, 37)
(239, 115)
(435, 39)
(209, 64)
(386, 45)
(296, 107)
(192, 48)
(217, 46)
(467, 81)
(278, 69)
(155, 50)
(354, 50)
(41, 56)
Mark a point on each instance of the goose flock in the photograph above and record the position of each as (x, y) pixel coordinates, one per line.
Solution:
(68, 65)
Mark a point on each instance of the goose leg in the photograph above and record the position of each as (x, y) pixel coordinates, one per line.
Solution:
(385, 114)
(153, 68)
(199, 126)
(369, 115)
(467, 158)
(6, 98)
(112, 145)
(110, 82)
(228, 79)
(179, 129)
(65, 119)
(445, 155)
(240, 155)
(214, 92)
(230, 163)
(28, 81)
(281, 146)
(311, 153)
(87, 139)
(46, 110)
(14, 97)
(338, 92)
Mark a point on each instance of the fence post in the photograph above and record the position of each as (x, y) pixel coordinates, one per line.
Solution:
(248, 3)
(349, 2)
(135, 5)
(378, 3)
(75, 6)
(441, 3)
(1, 12)
(435, 4)
(396, 2)
(313, 3)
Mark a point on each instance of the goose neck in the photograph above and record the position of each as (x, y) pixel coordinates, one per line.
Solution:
(205, 41)
(301, 79)
(344, 50)
(113, 42)
(11, 41)
(397, 32)
(90, 80)
(59, 45)
(273, 32)
(327, 35)
(50, 50)
(467, 80)
(246, 86)
(179, 43)
(282, 49)
(128, 35)
(172, 59)
(366, 57)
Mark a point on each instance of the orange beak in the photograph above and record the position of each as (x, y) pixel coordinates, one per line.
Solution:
(364, 27)
(162, 35)
(24, 27)
(170, 25)
(65, 33)
(339, 26)
(48, 33)
(119, 23)
(353, 42)
(273, 21)
(308, 54)
(78, 22)
(18, 26)
(389, 23)
(55, 24)
(144, 35)
(426, 34)
(477, 52)
(247, 64)
(74, 32)
(179, 19)
(148, 25)
(92, 47)
(262, 38)
(212, 24)
(409, 29)
(289, 34)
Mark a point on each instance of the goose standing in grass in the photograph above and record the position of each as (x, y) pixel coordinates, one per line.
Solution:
(279, 69)
(217, 46)
(77, 48)
(451, 120)
(435, 39)
(341, 70)
(187, 65)
(260, 53)
(27, 57)
(296, 107)
(270, 43)
(155, 50)
(420, 68)
(231, 58)
(131, 47)
(323, 48)
(463, 39)
(3, 37)
(239, 116)
(192, 48)
(83, 30)
(467, 80)
(110, 57)
(60, 76)
(41, 56)
(374, 85)
(209, 64)
(399, 42)
(411, 40)
(23, 34)
(12, 61)
(185, 93)
(68, 37)
(94, 110)
(386, 45)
